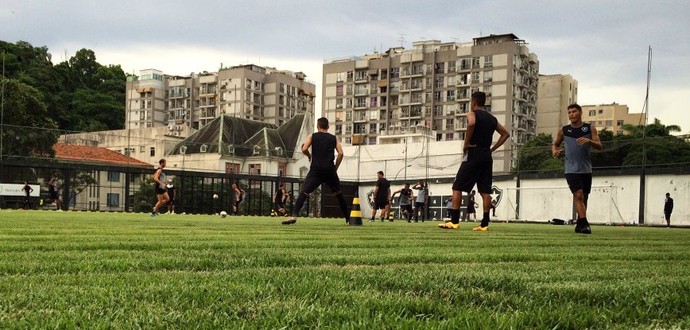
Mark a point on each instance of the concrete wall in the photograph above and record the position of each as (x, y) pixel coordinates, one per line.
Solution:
(614, 199)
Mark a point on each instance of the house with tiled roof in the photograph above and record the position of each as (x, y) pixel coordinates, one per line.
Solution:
(99, 177)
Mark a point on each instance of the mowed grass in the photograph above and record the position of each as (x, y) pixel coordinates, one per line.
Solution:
(124, 271)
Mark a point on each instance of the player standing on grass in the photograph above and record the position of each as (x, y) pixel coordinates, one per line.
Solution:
(578, 138)
(405, 202)
(159, 187)
(239, 196)
(322, 169)
(477, 164)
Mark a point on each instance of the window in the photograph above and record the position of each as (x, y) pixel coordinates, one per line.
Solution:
(619, 123)
(113, 176)
(282, 169)
(113, 199)
(232, 168)
(592, 113)
(153, 152)
(601, 111)
(450, 95)
(254, 169)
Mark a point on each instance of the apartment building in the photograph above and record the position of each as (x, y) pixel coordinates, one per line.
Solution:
(424, 92)
(184, 104)
(611, 117)
(554, 94)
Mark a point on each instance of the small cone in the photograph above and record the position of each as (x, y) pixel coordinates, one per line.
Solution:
(390, 217)
(355, 213)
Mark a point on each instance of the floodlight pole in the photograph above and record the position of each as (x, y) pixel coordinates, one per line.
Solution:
(2, 109)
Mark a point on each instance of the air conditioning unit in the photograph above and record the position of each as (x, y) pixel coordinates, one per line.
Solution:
(176, 133)
(171, 127)
(357, 140)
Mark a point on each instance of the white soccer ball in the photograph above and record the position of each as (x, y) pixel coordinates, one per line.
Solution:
(223, 214)
(215, 196)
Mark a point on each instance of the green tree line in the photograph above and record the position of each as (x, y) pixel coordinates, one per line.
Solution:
(39, 97)
(620, 150)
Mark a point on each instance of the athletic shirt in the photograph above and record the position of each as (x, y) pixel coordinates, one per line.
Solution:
(421, 197)
(161, 178)
(384, 187)
(577, 156)
(279, 196)
(405, 196)
(322, 150)
(484, 128)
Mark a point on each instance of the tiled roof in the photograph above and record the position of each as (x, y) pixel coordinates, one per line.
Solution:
(89, 154)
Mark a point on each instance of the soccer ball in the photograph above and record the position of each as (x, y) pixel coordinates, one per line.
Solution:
(215, 196)
(223, 214)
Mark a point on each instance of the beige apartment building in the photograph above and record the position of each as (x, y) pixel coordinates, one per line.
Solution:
(555, 93)
(403, 96)
(611, 117)
(184, 104)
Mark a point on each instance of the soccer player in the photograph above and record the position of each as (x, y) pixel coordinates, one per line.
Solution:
(279, 200)
(471, 206)
(322, 170)
(159, 187)
(476, 167)
(27, 195)
(579, 137)
(239, 196)
(53, 191)
(172, 194)
(382, 194)
(406, 197)
(421, 199)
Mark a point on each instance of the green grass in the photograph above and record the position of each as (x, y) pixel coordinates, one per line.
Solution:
(123, 271)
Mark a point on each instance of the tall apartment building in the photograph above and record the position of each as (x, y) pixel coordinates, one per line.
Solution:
(611, 117)
(187, 103)
(555, 93)
(386, 98)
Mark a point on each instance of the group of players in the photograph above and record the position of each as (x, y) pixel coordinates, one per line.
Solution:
(383, 199)
(475, 169)
(166, 192)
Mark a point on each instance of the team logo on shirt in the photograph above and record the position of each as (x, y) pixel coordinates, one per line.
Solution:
(584, 129)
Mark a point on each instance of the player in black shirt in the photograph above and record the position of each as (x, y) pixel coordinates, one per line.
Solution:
(323, 169)
(477, 164)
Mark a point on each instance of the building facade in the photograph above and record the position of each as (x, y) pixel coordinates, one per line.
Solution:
(611, 117)
(424, 92)
(554, 94)
(187, 103)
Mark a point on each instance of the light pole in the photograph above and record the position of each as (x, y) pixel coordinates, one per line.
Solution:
(404, 168)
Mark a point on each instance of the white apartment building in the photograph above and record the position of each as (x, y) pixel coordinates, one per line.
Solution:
(423, 93)
(187, 103)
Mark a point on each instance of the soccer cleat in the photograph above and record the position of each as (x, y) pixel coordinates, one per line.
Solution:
(480, 228)
(449, 225)
(583, 229)
(289, 221)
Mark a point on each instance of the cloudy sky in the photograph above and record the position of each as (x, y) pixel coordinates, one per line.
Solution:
(601, 43)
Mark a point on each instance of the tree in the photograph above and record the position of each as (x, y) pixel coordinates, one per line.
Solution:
(27, 130)
(535, 152)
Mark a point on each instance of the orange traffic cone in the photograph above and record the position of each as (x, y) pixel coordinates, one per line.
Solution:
(355, 213)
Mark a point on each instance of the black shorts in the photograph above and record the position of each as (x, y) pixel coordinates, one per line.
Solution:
(159, 190)
(278, 205)
(53, 194)
(171, 202)
(406, 207)
(474, 172)
(470, 209)
(667, 215)
(317, 176)
(579, 181)
(380, 203)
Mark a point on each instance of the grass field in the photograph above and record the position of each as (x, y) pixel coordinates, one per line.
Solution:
(114, 270)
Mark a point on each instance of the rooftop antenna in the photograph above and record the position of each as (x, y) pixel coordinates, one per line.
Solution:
(401, 39)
